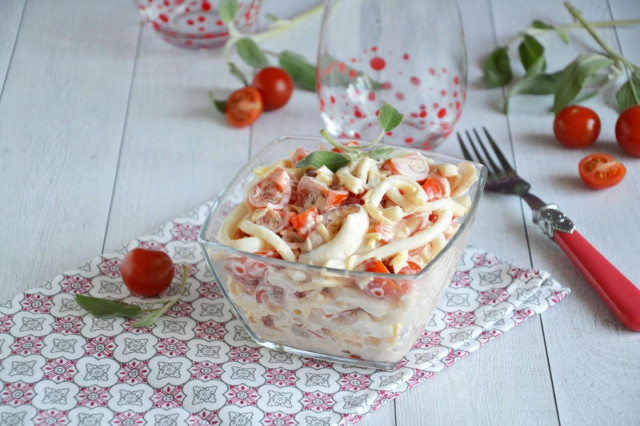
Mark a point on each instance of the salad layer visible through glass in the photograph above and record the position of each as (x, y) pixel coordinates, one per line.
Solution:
(346, 265)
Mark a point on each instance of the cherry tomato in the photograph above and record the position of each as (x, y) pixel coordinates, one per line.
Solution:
(299, 154)
(381, 288)
(275, 86)
(274, 191)
(576, 126)
(305, 222)
(274, 220)
(243, 107)
(147, 272)
(601, 170)
(628, 130)
(312, 192)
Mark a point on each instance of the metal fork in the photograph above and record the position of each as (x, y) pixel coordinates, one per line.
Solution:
(617, 291)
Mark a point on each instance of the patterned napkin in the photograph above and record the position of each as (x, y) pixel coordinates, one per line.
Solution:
(197, 365)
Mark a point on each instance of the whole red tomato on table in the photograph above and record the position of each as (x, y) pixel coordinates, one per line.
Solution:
(576, 126)
(275, 85)
(628, 130)
(147, 272)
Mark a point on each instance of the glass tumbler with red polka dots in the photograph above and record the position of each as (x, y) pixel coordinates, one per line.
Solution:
(195, 24)
(410, 54)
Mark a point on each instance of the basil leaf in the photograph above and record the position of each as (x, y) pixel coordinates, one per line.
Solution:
(381, 154)
(497, 69)
(628, 94)
(219, 105)
(251, 54)
(537, 84)
(541, 25)
(332, 160)
(563, 33)
(301, 71)
(227, 10)
(105, 307)
(532, 55)
(233, 69)
(574, 75)
(389, 118)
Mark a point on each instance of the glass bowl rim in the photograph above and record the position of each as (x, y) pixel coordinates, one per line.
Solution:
(468, 218)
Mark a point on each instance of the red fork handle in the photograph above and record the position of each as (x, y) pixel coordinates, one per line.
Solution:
(620, 294)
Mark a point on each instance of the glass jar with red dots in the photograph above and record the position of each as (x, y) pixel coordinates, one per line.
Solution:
(195, 24)
(410, 54)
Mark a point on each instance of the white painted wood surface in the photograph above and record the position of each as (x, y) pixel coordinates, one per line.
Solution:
(106, 132)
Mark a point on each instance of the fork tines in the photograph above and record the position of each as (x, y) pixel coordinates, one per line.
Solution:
(487, 160)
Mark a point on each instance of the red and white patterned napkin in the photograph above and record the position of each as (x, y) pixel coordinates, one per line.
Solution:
(197, 364)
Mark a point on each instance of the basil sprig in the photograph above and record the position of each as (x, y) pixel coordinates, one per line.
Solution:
(581, 79)
(114, 308)
(388, 118)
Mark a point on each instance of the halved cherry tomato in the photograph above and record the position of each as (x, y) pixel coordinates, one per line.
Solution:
(274, 220)
(411, 268)
(381, 288)
(298, 155)
(147, 272)
(273, 191)
(628, 130)
(412, 165)
(313, 193)
(306, 221)
(243, 107)
(601, 170)
(275, 86)
(576, 126)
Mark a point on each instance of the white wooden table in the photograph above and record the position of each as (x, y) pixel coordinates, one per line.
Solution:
(106, 132)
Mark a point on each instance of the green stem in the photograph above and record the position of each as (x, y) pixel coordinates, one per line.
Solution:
(604, 24)
(612, 54)
(287, 25)
(335, 143)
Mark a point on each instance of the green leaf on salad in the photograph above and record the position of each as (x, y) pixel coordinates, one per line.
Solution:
(220, 105)
(381, 154)
(301, 71)
(227, 10)
(537, 84)
(105, 307)
(497, 69)
(236, 72)
(251, 54)
(332, 160)
(389, 118)
(629, 93)
(532, 55)
(574, 76)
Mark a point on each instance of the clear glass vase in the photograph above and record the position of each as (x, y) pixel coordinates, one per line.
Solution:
(410, 54)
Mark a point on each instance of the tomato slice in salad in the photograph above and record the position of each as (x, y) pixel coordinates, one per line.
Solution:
(381, 288)
(412, 165)
(601, 170)
(274, 191)
(433, 188)
(313, 193)
(298, 155)
(306, 221)
(274, 220)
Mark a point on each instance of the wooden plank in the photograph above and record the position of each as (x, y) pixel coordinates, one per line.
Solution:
(594, 367)
(177, 151)
(10, 17)
(61, 120)
(482, 389)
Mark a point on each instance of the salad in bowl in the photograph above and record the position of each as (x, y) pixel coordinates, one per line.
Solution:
(340, 252)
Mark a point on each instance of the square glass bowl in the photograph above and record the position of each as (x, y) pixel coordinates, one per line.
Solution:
(322, 312)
